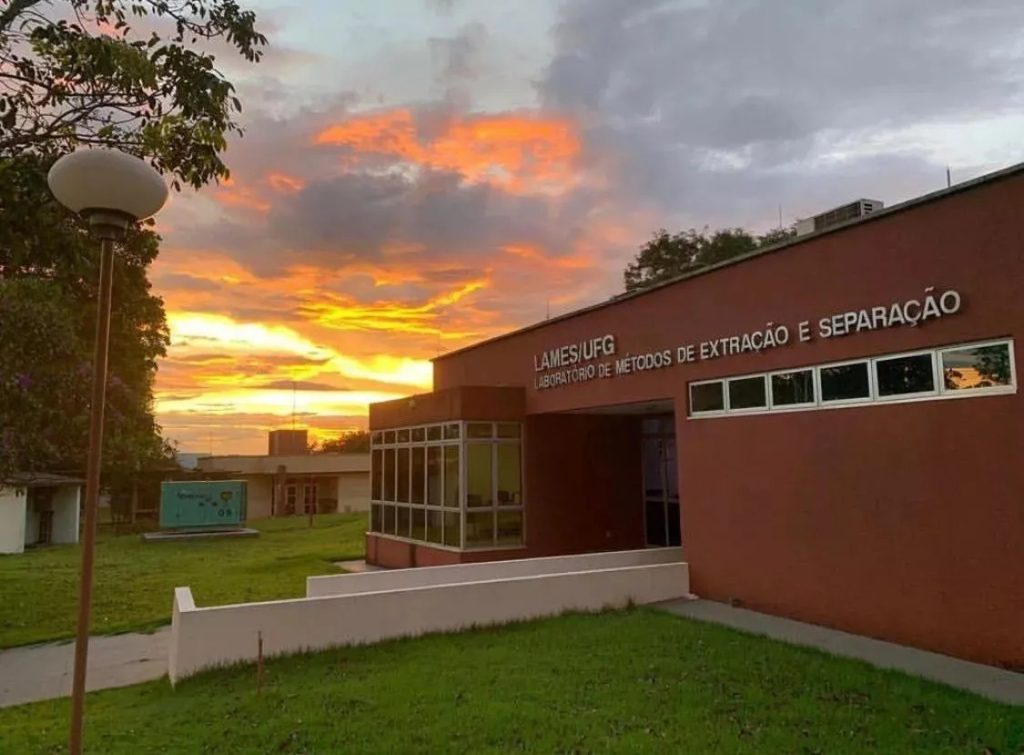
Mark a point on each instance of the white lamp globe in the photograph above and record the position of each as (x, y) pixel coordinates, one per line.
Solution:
(107, 180)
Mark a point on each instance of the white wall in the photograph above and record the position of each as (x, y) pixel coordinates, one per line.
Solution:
(207, 637)
(354, 492)
(66, 506)
(259, 490)
(12, 520)
(424, 576)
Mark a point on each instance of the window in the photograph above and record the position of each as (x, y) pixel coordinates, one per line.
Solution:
(793, 388)
(403, 475)
(905, 375)
(434, 475)
(845, 382)
(451, 476)
(977, 368)
(479, 475)
(418, 478)
(706, 397)
(747, 393)
(375, 476)
(453, 484)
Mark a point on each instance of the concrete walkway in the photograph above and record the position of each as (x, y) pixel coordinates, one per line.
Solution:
(987, 681)
(41, 672)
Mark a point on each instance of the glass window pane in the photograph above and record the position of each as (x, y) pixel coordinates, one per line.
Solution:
(403, 475)
(389, 474)
(434, 432)
(375, 518)
(403, 521)
(403, 436)
(418, 435)
(451, 430)
(451, 476)
(510, 491)
(479, 430)
(389, 436)
(433, 526)
(706, 397)
(510, 528)
(793, 388)
(902, 375)
(452, 529)
(747, 393)
(418, 474)
(376, 438)
(389, 520)
(419, 517)
(434, 475)
(375, 473)
(479, 528)
(844, 382)
(479, 475)
(509, 429)
(976, 367)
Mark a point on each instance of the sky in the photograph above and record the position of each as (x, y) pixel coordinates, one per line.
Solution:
(418, 175)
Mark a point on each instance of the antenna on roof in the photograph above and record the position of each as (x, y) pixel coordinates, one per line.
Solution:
(780, 217)
(949, 178)
(547, 310)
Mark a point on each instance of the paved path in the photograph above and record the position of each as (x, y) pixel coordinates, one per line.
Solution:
(987, 681)
(41, 672)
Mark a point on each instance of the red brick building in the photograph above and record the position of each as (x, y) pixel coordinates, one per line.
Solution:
(831, 429)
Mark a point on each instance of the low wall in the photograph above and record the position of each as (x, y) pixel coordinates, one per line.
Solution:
(207, 637)
(399, 579)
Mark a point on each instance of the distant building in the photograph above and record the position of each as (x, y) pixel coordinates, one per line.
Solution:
(288, 483)
(189, 460)
(287, 443)
(39, 510)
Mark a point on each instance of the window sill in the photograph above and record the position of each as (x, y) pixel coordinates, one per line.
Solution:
(451, 548)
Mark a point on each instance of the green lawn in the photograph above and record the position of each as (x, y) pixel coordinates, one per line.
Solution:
(634, 681)
(134, 581)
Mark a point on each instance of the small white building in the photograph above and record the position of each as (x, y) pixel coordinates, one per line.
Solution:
(285, 485)
(39, 509)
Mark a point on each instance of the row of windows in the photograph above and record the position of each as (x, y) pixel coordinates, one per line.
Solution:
(974, 369)
(446, 432)
(482, 529)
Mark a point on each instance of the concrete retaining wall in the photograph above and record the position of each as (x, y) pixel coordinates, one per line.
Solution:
(207, 637)
(399, 579)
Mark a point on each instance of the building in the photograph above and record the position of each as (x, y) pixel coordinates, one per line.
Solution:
(830, 427)
(284, 484)
(39, 509)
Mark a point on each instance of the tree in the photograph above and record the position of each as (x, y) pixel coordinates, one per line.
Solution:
(77, 72)
(90, 78)
(667, 256)
(355, 442)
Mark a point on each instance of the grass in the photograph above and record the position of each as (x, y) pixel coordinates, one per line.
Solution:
(633, 681)
(134, 581)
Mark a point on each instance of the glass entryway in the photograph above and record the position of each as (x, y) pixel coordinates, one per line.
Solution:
(661, 483)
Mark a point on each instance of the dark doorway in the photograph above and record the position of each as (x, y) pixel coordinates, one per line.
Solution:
(661, 483)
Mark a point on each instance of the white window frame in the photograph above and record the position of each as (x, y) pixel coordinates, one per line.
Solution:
(822, 401)
(773, 407)
(905, 396)
(710, 412)
(993, 390)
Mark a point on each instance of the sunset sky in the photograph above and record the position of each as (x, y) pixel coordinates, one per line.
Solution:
(417, 175)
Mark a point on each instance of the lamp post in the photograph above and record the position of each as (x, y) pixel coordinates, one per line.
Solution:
(111, 190)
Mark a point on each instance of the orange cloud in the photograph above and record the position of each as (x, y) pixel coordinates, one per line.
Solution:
(284, 183)
(519, 152)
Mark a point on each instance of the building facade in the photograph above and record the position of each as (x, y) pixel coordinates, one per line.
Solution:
(831, 428)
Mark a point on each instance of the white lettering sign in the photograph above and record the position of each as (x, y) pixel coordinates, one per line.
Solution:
(574, 363)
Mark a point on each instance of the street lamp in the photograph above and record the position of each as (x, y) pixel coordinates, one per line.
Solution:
(111, 190)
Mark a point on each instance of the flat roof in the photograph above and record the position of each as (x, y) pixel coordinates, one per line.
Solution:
(846, 225)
